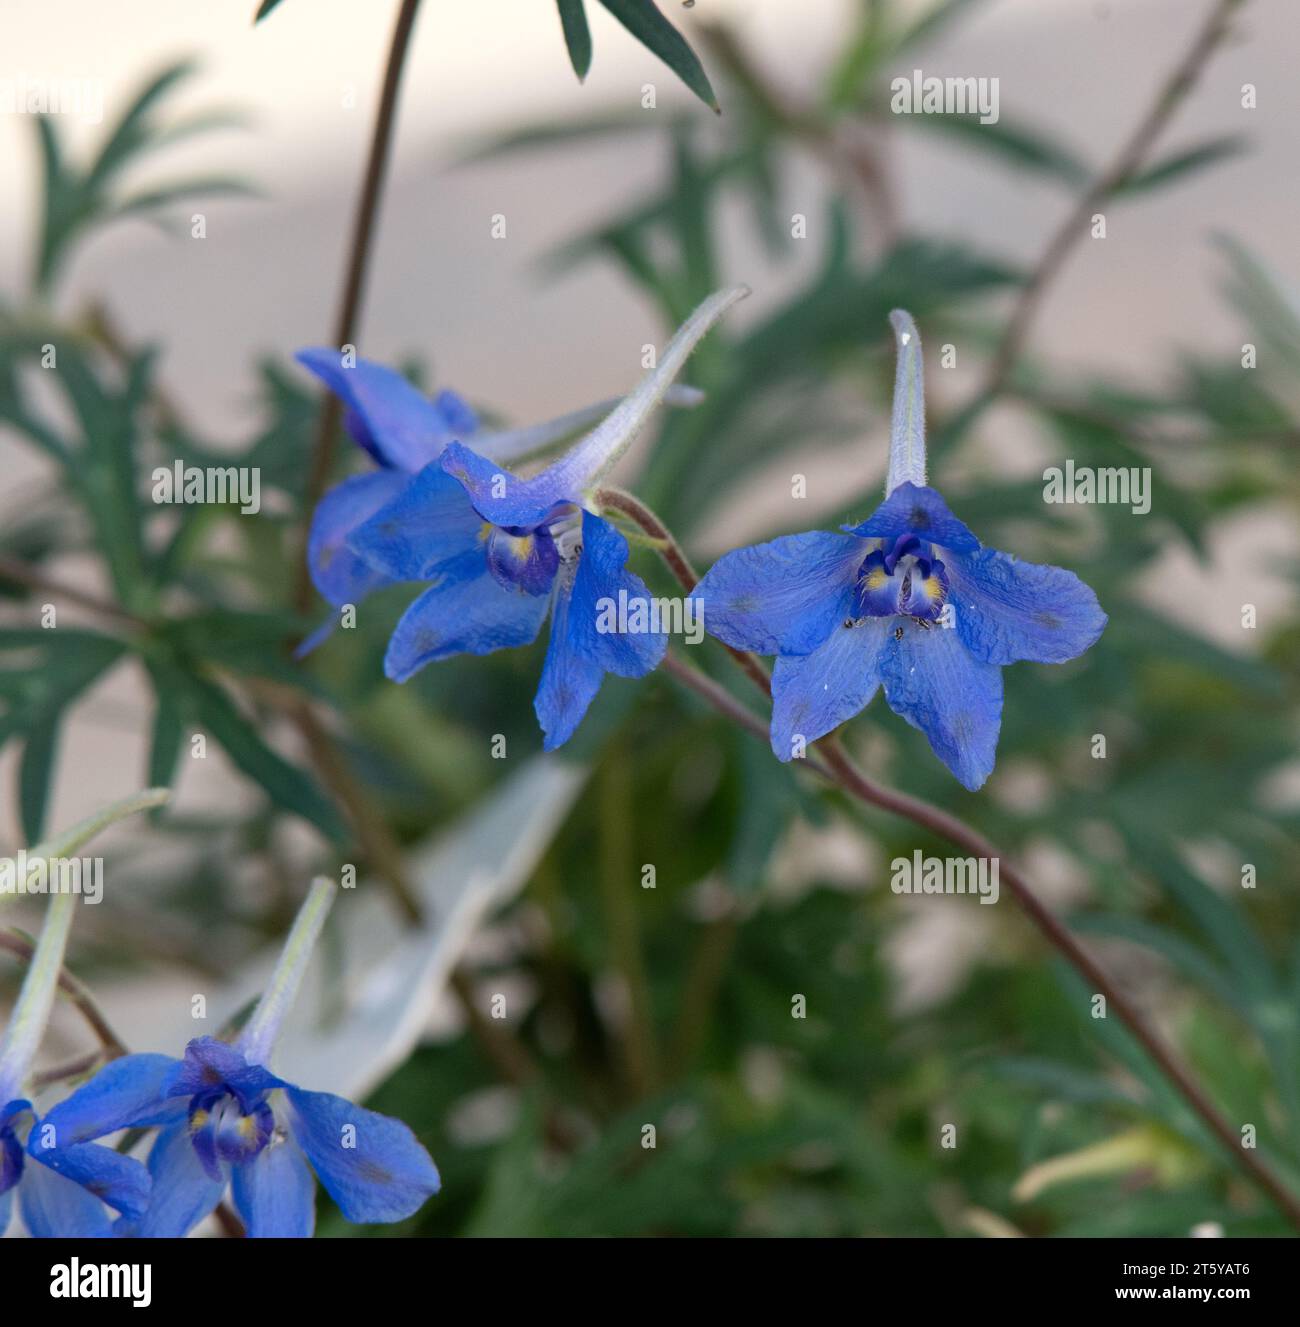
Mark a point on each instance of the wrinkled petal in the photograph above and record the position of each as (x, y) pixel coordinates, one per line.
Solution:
(120, 1181)
(580, 653)
(372, 1166)
(812, 694)
(1007, 610)
(912, 509)
(210, 1064)
(503, 498)
(182, 1193)
(339, 575)
(782, 597)
(428, 525)
(57, 1208)
(399, 426)
(463, 616)
(275, 1193)
(955, 699)
(126, 1093)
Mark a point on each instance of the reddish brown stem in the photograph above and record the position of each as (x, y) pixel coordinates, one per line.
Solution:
(363, 227)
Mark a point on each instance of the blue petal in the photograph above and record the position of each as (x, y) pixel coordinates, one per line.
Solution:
(399, 426)
(911, 509)
(782, 597)
(118, 1180)
(580, 654)
(813, 694)
(126, 1093)
(372, 1166)
(955, 699)
(1008, 610)
(340, 576)
(503, 498)
(58, 1208)
(6, 1210)
(570, 679)
(182, 1194)
(463, 616)
(275, 1194)
(428, 525)
(457, 414)
(212, 1064)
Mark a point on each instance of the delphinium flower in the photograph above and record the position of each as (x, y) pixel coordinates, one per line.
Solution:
(908, 600)
(61, 1185)
(226, 1119)
(403, 431)
(500, 552)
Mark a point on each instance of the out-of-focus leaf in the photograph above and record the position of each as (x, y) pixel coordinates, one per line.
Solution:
(35, 694)
(168, 733)
(644, 21)
(1016, 144)
(76, 200)
(264, 9)
(1181, 164)
(577, 35)
(286, 785)
(37, 773)
(1258, 294)
(214, 186)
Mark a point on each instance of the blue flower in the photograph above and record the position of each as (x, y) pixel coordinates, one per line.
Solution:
(500, 553)
(908, 600)
(403, 431)
(226, 1119)
(221, 1122)
(62, 1189)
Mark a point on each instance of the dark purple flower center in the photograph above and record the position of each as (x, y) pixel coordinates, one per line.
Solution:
(904, 580)
(227, 1125)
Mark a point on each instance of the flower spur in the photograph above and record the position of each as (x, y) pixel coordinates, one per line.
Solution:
(63, 1186)
(908, 601)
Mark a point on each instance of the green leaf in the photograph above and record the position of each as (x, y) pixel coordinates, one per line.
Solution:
(150, 199)
(1017, 144)
(577, 35)
(37, 773)
(1174, 168)
(644, 21)
(132, 131)
(264, 9)
(168, 734)
(284, 783)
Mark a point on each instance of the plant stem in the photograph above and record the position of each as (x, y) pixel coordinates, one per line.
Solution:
(832, 763)
(1122, 169)
(78, 995)
(363, 227)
